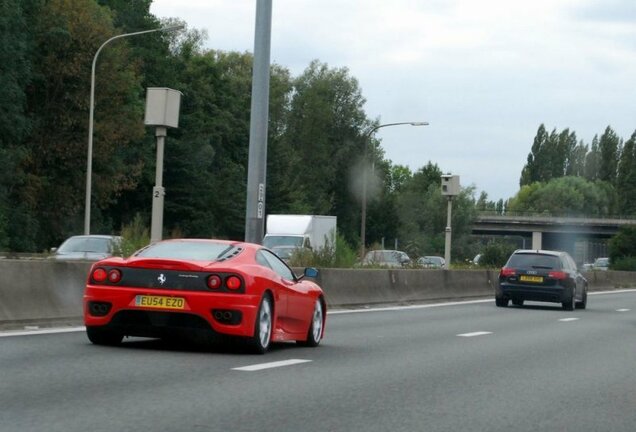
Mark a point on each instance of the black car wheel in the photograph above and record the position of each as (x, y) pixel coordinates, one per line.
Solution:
(315, 328)
(100, 336)
(583, 303)
(570, 303)
(262, 337)
(501, 301)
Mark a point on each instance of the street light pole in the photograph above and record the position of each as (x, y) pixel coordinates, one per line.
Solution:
(363, 216)
(89, 163)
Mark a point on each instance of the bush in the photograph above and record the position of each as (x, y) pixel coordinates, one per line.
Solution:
(135, 236)
(622, 246)
(624, 264)
(342, 256)
(496, 253)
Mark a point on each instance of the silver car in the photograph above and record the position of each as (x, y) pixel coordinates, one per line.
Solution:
(87, 247)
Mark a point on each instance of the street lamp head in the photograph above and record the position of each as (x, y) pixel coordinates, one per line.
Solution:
(174, 27)
(419, 123)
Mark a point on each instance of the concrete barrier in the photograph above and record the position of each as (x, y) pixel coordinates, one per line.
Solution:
(42, 290)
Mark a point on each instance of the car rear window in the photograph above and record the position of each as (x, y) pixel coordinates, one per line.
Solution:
(534, 261)
(198, 251)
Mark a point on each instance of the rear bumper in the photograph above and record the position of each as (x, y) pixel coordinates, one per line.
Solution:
(555, 294)
(196, 316)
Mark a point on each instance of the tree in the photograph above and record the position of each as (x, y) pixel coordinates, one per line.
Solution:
(570, 196)
(324, 131)
(66, 34)
(592, 161)
(622, 248)
(626, 178)
(15, 76)
(609, 147)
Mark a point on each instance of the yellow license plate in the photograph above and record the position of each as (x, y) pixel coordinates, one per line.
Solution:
(160, 302)
(537, 279)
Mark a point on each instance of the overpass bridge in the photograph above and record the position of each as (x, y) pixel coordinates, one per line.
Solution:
(584, 238)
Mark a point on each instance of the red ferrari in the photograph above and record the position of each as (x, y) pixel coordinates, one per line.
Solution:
(203, 287)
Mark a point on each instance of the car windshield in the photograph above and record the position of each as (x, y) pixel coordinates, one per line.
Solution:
(273, 241)
(434, 260)
(534, 261)
(601, 262)
(85, 244)
(186, 250)
(383, 256)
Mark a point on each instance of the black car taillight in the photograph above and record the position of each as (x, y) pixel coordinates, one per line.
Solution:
(507, 272)
(558, 275)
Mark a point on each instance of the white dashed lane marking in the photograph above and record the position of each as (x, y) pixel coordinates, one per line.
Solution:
(568, 319)
(270, 365)
(623, 310)
(480, 333)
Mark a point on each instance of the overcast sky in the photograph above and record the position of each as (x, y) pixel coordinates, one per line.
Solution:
(485, 74)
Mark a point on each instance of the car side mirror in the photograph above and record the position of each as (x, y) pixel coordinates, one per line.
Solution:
(310, 272)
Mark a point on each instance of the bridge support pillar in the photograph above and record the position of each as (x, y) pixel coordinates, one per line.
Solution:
(537, 237)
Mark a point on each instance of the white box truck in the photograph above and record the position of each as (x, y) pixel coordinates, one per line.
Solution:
(285, 233)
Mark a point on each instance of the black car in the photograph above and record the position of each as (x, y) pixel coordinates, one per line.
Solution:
(541, 275)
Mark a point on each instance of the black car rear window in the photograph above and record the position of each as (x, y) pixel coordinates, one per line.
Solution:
(187, 250)
(534, 261)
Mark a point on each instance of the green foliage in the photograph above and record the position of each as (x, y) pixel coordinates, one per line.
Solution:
(623, 245)
(135, 236)
(626, 178)
(624, 264)
(496, 253)
(342, 256)
(422, 214)
(571, 196)
(609, 147)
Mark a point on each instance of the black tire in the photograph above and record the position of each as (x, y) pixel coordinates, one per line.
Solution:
(517, 302)
(101, 336)
(501, 301)
(569, 304)
(314, 335)
(583, 303)
(262, 338)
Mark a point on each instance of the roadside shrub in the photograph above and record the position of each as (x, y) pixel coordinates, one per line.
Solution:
(624, 264)
(496, 253)
(134, 236)
(622, 246)
(342, 256)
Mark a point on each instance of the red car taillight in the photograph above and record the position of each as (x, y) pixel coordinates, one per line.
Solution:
(114, 276)
(99, 275)
(214, 282)
(233, 283)
(558, 275)
(506, 272)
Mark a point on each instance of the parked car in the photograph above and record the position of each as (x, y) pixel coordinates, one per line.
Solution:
(601, 264)
(386, 258)
(541, 275)
(196, 289)
(87, 247)
(435, 262)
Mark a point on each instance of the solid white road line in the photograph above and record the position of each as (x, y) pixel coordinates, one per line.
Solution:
(398, 308)
(10, 333)
(481, 333)
(271, 365)
(623, 310)
(568, 319)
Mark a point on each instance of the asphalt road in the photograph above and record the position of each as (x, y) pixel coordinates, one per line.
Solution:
(514, 369)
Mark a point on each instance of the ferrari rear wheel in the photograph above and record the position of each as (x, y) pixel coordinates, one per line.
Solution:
(315, 329)
(100, 336)
(263, 327)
